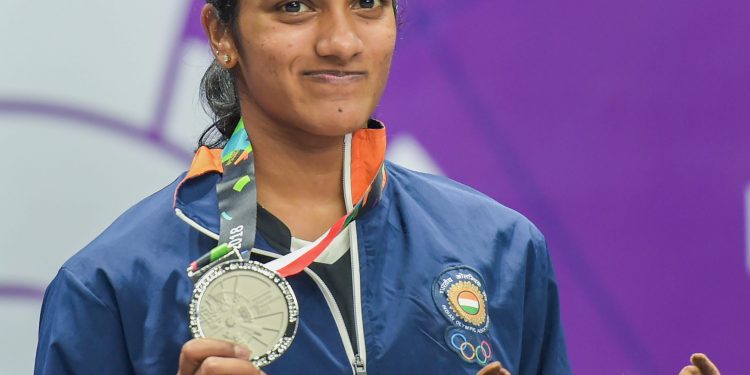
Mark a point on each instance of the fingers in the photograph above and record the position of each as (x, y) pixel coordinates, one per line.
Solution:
(704, 364)
(701, 365)
(227, 366)
(491, 369)
(494, 368)
(195, 352)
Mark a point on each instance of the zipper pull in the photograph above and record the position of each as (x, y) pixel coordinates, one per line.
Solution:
(359, 365)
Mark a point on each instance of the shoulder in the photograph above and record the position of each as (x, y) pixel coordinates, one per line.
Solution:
(143, 239)
(445, 214)
(445, 199)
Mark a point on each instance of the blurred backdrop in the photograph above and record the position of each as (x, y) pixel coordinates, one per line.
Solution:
(622, 129)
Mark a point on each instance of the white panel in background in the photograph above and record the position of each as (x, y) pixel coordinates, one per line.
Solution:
(186, 118)
(107, 56)
(405, 150)
(62, 184)
(18, 346)
(67, 183)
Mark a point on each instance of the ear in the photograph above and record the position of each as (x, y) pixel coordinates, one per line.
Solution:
(219, 37)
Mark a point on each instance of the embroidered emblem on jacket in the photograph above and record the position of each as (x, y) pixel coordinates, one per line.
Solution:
(459, 294)
(466, 301)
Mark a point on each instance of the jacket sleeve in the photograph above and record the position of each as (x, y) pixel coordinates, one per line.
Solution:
(554, 357)
(78, 333)
(544, 351)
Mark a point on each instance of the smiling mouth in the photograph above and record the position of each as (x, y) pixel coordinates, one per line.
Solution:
(335, 76)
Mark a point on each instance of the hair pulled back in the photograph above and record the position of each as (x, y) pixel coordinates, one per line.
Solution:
(218, 93)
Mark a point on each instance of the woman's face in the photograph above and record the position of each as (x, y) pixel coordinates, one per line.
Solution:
(318, 66)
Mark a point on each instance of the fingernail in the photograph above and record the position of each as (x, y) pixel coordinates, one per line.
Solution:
(241, 352)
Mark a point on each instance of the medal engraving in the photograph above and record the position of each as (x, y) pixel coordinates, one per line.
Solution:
(245, 303)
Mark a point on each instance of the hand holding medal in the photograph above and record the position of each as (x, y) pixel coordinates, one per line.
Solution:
(247, 303)
(209, 356)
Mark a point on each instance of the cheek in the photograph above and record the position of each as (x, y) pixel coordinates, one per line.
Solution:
(266, 62)
(384, 42)
(266, 49)
(385, 63)
(384, 57)
(264, 56)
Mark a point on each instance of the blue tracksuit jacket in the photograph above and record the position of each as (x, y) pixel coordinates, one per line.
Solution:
(448, 280)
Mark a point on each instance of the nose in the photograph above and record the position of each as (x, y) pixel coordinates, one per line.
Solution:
(338, 37)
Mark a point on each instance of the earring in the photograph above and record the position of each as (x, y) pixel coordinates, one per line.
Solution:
(227, 58)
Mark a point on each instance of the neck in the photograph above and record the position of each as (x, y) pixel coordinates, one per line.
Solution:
(299, 177)
(298, 171)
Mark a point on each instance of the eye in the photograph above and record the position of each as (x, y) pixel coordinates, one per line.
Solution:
(295, 7)
(367, 4)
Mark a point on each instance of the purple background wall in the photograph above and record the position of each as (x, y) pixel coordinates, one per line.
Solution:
(623, 130)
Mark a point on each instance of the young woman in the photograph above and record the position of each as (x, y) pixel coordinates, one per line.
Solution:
(431, 278)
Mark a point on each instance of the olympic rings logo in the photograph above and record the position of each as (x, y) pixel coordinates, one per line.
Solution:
(481, 353)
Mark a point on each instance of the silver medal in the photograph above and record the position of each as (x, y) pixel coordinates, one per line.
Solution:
(246, 303)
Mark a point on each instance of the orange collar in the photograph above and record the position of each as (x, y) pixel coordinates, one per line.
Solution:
(368, 153)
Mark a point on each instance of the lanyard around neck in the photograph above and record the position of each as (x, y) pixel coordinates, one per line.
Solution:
(238, 209)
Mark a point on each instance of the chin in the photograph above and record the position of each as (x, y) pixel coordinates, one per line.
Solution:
(332, 122)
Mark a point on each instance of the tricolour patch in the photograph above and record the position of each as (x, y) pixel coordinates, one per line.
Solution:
(459, 294)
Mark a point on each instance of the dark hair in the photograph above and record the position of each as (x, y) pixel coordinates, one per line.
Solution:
(218, 94)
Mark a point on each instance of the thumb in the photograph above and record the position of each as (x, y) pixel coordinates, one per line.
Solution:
(494, 368)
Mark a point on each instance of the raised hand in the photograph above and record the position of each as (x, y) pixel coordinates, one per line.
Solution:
(701, 365)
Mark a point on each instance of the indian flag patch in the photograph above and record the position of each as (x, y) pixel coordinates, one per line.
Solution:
(468, 302)
(459, 294)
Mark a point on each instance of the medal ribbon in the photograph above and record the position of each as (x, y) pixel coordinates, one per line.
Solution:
(238, 207)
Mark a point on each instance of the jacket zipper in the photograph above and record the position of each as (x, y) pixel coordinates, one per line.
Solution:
(359, 366)
(360, 356)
